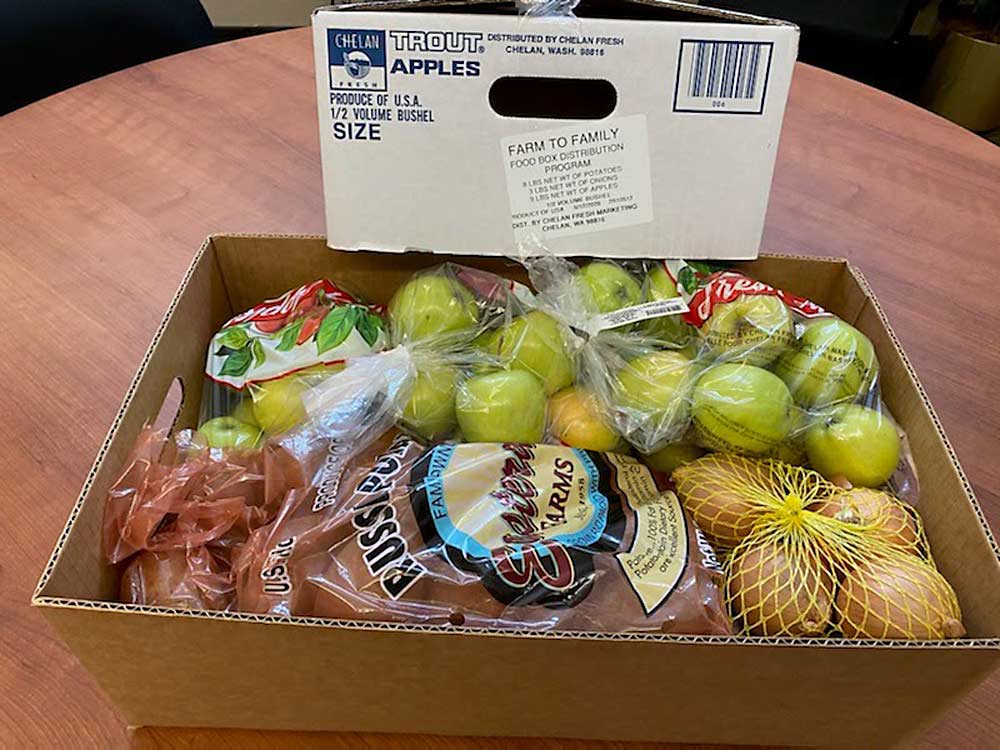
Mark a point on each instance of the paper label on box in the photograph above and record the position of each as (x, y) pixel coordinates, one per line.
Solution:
(578, 179)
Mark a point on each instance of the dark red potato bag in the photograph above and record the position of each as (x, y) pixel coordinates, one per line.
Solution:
(167, 498)
(183, 578)
(488, 535)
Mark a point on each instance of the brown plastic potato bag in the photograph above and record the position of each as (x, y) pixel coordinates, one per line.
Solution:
(487, 535)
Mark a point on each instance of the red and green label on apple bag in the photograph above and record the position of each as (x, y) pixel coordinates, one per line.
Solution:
(262, 360)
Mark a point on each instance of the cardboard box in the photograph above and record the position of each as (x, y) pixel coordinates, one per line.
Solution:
(178, 668)
(638, 129)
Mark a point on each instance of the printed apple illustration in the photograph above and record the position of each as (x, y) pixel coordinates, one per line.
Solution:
(855, 442)
(431, 305)
(507, 406)
(606, 287)
(833, 362)
(227, 432)
(651, 392)
(533, 342)
(672, 455)
(754, 329)
(430, 412)
(670, 329)
(740, 408)
(576, 419)
(277, 404)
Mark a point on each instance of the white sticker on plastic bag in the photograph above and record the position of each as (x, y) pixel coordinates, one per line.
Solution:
(578, 179)
(645, 311)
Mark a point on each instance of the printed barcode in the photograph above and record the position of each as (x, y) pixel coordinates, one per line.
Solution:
(722, 77)
(644, 311)
(725, 70)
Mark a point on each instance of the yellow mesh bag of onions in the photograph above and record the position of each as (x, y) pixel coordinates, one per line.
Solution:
(804, 557)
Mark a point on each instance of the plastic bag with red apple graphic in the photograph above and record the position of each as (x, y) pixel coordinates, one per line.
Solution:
(261, 362)
(683, 357)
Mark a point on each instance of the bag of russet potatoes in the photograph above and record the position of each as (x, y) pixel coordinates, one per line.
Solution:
(343, 516)
(495, 535)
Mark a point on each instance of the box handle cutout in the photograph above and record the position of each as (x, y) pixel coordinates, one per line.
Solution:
(553, 98)
(170, 409)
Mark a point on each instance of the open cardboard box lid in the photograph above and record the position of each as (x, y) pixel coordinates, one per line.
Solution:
(645, 128)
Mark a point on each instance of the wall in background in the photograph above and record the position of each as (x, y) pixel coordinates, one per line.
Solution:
(266, 13)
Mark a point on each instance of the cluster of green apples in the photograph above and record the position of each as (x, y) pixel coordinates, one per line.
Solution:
(484, 375)
(744, 384)
(756, 389)
(522, 385)
(796, 399)
(268, 408)
(747, 382)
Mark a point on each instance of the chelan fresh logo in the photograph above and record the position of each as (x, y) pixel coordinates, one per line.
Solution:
(357, 59)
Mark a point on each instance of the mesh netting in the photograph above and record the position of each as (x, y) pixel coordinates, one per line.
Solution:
(805, 557)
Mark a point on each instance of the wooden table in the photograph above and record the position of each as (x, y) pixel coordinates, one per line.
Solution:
(108, 189)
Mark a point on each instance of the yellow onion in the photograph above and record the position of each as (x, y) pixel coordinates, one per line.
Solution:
(898, 597)
(884, 516)
(713, 489)
(779, 588)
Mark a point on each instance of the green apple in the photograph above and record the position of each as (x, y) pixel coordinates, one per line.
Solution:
(535, 343)
(227, 432)
(833, 362)
(652, 391)
(277, 404)
(672, 455)
(430, 412)
(793, 449)
(755, 329)
(670, 329)
(606, 287)
(507, 406)
(430, 305)
(740, 408)
(244, 412)
(855, 442)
